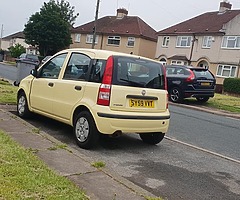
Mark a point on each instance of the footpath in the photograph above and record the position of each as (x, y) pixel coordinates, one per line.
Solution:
(97, 184)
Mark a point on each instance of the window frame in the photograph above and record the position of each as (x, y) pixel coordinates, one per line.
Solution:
(227, 39)
(226, 68)
(181, 39)
(114, 38)
(131, 40)
(77, 37)
(207, 42)
(89, 39)
(165, 41)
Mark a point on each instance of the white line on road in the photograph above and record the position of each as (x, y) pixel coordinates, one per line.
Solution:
(202, 149)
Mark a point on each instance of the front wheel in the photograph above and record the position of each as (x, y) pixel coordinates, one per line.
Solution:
(152, 138)
(85, 130)
(202, 99)
(22, 106)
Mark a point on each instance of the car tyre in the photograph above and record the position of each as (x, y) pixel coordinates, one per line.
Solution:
(151, 138)
(202, 99)
(85, 130)
(176, 95)
(22, 106)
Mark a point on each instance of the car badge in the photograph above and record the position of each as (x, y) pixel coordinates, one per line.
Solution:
(143, 92)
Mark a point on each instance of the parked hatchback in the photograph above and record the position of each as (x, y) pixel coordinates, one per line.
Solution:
(99, 92)
(28, 58)
(188, 81)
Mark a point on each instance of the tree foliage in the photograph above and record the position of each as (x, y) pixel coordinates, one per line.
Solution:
(49, 29)
(16, 50)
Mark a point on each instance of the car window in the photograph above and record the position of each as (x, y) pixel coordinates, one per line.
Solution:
(53, 67)
(77, 67)
(203, 73)
(138, 72)
(97, 70)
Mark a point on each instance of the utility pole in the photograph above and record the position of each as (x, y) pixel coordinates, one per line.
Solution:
(1, 35)
(95, 25)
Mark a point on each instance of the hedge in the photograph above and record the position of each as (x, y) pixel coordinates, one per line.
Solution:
(231, 85)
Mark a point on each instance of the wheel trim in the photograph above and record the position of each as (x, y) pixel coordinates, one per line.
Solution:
(21, 105)
(174, 95)
(82, 129)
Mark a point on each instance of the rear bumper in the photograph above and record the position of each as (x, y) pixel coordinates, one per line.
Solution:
(132, 122)
(199, 93)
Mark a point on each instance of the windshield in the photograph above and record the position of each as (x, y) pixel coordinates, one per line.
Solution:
(203, 73)
(137, 72)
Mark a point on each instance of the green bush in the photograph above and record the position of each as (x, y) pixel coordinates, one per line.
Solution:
(231, 85)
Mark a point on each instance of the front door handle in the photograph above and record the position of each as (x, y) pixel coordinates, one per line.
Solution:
(77, 87)
(51, 84)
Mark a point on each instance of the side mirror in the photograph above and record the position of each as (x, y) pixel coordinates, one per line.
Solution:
(34, 72)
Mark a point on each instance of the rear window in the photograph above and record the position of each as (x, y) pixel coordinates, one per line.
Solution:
(137, 72)
(203, 73)
(31, 56)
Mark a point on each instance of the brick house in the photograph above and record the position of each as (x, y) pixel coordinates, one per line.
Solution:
(123, 33)
(208, 40)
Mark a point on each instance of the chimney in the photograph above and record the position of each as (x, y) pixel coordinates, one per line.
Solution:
(224, 6)
(121, 12)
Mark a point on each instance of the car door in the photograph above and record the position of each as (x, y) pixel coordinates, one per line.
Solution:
(70, 89)
(43, 86)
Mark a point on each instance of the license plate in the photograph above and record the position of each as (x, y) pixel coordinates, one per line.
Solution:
(141, 103)
(205, 84)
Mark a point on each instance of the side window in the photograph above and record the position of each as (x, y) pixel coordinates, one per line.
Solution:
(77, 67)
(53, 67)
(97, 71)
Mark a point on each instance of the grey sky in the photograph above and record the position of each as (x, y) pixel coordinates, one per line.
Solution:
(159, 14)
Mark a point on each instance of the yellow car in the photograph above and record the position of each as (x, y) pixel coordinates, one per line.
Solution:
(99, 92)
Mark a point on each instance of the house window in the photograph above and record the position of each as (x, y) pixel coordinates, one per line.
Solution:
(226, 71)
(131, 42)
(114, 40)
(231, 42)
(89, 39)
(178, 62)
(207, 41)
(77, 37)
(184, 41)
(166, 40)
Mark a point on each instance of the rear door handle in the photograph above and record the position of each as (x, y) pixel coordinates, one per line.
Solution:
(77, 87)
(51, 84)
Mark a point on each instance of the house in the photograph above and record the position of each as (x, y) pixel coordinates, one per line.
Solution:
(209, 40)
(17, 38)
(123, 33)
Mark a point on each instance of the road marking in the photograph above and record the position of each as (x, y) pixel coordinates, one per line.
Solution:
(202, 149)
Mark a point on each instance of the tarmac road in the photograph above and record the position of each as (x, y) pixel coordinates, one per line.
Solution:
(171, 169)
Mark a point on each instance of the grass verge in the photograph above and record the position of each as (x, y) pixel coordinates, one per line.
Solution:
(7, 93)
(24, 176)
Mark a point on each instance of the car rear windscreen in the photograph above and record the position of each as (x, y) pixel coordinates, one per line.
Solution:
(203, 73)
(137, 72)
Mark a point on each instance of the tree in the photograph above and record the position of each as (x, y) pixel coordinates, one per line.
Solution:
(49, 29)
(16, 50)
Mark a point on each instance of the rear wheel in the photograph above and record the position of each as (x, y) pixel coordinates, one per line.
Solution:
(202, 99)
(85, 130)
(152, 138)
(176, 95)
(22, 106)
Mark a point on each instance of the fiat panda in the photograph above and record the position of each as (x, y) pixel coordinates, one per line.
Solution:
(99, 92)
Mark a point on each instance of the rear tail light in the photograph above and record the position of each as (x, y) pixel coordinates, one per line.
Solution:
(191, 76)
(105, 88)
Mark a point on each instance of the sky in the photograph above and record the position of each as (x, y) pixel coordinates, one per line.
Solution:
(159, 14)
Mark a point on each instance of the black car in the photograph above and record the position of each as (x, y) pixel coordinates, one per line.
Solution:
(24, 57)
(188, 81)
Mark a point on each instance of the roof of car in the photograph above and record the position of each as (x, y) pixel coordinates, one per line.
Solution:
(187, 66)
(103, 54)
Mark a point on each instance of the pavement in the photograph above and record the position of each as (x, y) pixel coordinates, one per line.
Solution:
(98, 184)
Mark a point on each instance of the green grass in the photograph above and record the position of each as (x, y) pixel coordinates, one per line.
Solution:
(219, 101)
(98, 164)
(24, 176)
(7, 93)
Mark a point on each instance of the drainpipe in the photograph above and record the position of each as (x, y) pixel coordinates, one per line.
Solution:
(192, 47)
